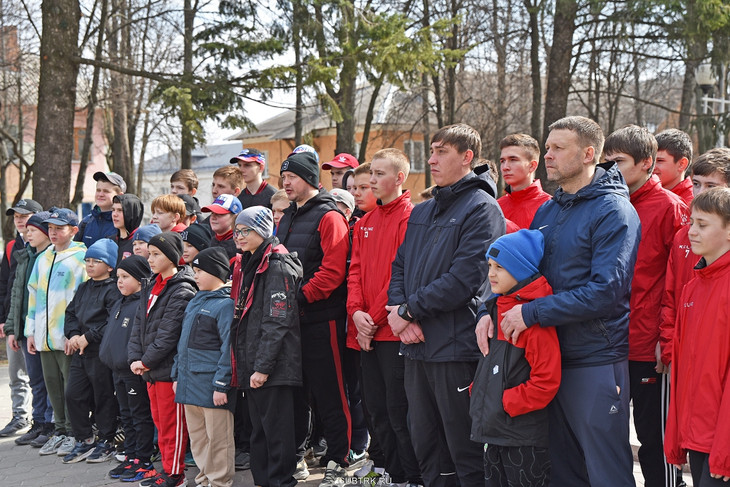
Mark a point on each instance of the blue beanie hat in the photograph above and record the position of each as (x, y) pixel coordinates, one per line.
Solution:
(146, 232)
(519, 253)
(105, 250)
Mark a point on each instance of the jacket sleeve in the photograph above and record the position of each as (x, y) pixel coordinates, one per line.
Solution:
(669, 306)
(720, 451)
(134, 347)
(355, 301)
(5, 279)
(223, 374)
(17, 295)
(674, 453)
(32, 295)
(615, 237)
(168, 330)
(71, 325)
(468, 270)
(335, 241)
(542, 352)
(274, 324)
(95, 334)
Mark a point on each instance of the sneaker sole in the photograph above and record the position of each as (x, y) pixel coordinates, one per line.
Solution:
(101, 459)
(79, 458)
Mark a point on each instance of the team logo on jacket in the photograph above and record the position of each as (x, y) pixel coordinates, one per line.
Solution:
(277, 308)
(125, 322)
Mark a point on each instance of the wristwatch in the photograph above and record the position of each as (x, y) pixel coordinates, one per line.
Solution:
(404, 313)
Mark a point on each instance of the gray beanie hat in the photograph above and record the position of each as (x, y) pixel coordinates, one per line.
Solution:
(258, 218)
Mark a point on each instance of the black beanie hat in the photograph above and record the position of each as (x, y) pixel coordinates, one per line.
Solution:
(136, 266)
(304, 165)
(197, 235)
(170, 244)
(214, 261)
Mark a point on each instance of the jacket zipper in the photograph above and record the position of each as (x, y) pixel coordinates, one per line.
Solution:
(48, 302)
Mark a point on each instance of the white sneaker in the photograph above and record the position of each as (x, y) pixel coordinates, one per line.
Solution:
(366, 468)
(334, 475)
(302, 472)
(50, 447)
(67, 446)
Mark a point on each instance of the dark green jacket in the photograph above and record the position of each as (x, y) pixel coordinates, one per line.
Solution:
(15, 323)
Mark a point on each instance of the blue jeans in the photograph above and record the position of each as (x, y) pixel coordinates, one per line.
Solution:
(42, 410)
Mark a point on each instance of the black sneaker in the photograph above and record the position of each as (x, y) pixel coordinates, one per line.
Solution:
(14, 426)
(33, 433)
(242, 460)
(80, 452)
(117, 471)
(104, 451)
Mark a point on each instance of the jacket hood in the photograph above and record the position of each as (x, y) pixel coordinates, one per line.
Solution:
(73, 249)
(606, 180)
(444, 196)
(133, 210)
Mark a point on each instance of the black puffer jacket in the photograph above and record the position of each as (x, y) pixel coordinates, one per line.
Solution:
(440, 269)
(88, 312)
(266, 335)
(113, 348)
(155, 335)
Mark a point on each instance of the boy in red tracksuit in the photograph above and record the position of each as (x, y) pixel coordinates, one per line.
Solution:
(526, 374)
(376, 239)
(518, 161)
(699, 424)
(710, 170)
(662, 214)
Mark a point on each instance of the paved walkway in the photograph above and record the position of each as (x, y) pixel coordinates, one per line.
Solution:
(22, 466)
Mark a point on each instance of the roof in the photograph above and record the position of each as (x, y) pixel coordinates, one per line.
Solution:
(203, 158)
(389, 107)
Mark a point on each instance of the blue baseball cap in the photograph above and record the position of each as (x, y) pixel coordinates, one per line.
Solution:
(62, 216)
(225, 203)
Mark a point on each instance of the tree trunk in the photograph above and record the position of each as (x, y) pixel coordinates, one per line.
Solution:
(299, 82)
(56, 102)
(186, 143)
(535, 69)
(369, 119)
(558, 82)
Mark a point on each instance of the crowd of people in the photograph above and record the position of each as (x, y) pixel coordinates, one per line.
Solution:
(468, 340)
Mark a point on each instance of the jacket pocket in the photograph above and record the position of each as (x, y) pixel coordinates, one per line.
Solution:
(202, 362)
(204, 333)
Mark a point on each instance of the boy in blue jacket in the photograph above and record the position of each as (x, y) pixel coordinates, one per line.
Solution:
(201, 372)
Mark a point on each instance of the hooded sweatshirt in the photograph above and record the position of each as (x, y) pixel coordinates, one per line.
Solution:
(52, 285)
(133, 211)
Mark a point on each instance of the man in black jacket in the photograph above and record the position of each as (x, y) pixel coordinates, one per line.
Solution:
(438, 274)
(314, 228)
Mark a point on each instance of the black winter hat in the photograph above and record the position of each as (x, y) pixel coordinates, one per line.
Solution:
(170, 244)
(214, 261)
(197, 235)
(136, 266)
(304, 165)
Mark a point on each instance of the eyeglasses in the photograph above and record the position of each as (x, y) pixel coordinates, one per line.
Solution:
(242, 233)
(94, 261)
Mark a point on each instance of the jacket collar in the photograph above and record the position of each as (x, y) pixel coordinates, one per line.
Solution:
(650, 186)
(720, 266)
(528, 193)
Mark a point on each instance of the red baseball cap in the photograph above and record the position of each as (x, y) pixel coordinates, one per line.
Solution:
(341, 160)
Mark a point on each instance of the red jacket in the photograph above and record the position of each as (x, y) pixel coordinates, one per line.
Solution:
(699, 406)
(662, 214)
(520, 206)
(680, 269)
(542, 352)
(375, 241)
(684, 191)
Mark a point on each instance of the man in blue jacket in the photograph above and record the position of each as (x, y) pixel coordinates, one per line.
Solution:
(592, 234)
(438, 273)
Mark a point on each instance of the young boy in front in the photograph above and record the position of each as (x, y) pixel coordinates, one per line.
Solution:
(257, 192)
(56, 275)
(364, 198)
(279, 203)
(698, 425)
(90, 380)
(266, 344)
(710, 170)
(168, 211)
(223, 213)
(518, 161)
(202, 370)
(515, 382)
(127, 214)
(131, 390)
(152, 349)
(142, 237)
(184, 181)
(98, 224)
(375, 241)
(662, 214)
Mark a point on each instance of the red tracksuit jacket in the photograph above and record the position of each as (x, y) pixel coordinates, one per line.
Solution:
(684, 191)
(662, 214)
(699, 406)
(520, 206)
(375, 241)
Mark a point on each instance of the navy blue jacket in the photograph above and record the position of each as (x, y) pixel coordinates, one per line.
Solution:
(440, 269)
(96, 225)
(203, 361)
(591, 239)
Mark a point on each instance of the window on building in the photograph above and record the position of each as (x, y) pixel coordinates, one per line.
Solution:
(414, 151)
